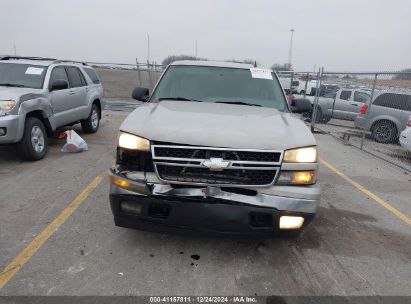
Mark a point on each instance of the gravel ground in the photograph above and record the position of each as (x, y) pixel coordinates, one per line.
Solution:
(354, 246)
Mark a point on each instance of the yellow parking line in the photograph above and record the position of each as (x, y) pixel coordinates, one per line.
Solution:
(39, 241)
(367, 192)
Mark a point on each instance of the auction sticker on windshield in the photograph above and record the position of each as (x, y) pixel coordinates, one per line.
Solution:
(34, 71)
(261, 73)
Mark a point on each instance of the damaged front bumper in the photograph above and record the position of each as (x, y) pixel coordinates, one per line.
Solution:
(141, 204)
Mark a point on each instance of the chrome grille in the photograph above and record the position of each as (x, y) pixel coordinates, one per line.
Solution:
(216, 166)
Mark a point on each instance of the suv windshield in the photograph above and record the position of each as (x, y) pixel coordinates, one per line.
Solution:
(22, 75)
(219, 85)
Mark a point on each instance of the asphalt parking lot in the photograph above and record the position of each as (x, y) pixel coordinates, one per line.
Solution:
(359, 243)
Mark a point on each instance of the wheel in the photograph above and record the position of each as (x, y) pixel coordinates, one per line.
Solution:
(302, 92)
(325, 118)
(34, 144)
(307, 116)
(318, 116)
(91, 124)
(384, 131)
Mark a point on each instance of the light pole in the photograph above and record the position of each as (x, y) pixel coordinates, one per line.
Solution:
(196, 48)
(291, 49)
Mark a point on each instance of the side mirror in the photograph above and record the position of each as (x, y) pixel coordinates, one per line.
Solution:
(140, 94)
(301, 105)
(59, 84)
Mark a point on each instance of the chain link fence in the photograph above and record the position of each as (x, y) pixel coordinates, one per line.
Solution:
(370, 111)
(119, 79)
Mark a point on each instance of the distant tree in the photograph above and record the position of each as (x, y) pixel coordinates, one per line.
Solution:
(282, 67)
(171, 58)
(403, 76)
(346, 77)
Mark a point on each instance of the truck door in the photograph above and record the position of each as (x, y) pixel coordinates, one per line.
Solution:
(342, 104)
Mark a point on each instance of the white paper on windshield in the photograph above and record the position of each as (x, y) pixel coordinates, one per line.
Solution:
(34, 71)
(261, 73)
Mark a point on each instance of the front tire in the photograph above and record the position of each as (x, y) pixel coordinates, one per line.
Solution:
(34, 144)
(91, 124)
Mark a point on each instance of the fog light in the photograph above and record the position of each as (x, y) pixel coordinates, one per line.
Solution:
(291, 222)
(297, 178)
(3, 131)
(130, 207)
(304, 177)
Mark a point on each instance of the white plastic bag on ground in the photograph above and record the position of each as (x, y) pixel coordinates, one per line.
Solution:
(74, 143)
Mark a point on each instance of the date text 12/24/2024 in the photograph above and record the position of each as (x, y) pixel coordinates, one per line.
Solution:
(203, 299)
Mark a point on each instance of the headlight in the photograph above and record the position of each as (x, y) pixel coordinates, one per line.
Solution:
(132, 142)
(301, 155)
(7, 105)
(297, 178)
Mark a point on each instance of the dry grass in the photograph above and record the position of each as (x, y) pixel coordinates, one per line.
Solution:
(120, 83)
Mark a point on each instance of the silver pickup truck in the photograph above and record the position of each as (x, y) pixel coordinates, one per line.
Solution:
(215, 149)
(40, 95)
(344, 104)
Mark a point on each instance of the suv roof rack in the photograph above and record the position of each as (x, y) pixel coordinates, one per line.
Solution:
(73, 61)
(8, 57)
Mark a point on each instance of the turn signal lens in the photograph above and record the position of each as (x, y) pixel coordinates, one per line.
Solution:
(133, 142)
(301, 155)
(119, 182)
(291, 222)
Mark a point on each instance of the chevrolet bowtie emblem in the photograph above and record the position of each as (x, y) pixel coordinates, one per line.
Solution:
(215, 164)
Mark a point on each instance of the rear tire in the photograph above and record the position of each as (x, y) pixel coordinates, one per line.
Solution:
(91, 124)
(34, 144)
(384, 131)
(302, 92)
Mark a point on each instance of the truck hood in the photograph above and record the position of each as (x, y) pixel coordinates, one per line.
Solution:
(7, 93)
(218, 125)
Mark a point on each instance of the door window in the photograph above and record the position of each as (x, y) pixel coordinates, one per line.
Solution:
(76, 78)
(58, 73)
(394, 101)
(345, 95)
(361, 97)
(93, 75)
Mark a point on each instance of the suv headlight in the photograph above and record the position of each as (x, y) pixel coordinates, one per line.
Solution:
(7, 105)
(133, 142)
(301, 155)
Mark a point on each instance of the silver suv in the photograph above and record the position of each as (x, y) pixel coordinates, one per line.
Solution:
(40, 95)
(387, 116)
(215, 149)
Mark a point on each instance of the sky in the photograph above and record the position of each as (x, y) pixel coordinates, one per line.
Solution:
(339, 35)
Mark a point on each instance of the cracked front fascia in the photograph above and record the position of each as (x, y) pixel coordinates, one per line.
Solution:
(305, 203)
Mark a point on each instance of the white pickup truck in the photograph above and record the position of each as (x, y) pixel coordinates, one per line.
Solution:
(345, 104)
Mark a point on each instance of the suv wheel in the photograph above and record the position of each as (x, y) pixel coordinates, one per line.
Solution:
(91, 124)
(34, 144)
(384, 132)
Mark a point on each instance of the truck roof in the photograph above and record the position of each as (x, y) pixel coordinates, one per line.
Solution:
(222, 64)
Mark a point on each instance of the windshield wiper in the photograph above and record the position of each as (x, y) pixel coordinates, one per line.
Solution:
(12, 85)
(178, 98)
(239, 103)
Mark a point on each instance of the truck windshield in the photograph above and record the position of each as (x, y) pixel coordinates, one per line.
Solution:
(22, 75)
(219, 85)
